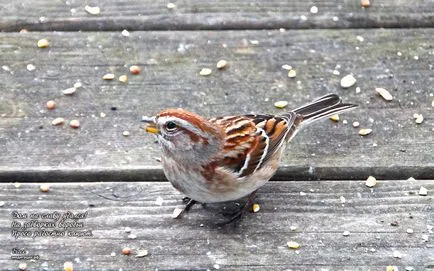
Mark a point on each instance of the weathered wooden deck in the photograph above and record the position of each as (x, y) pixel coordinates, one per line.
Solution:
(118, 180)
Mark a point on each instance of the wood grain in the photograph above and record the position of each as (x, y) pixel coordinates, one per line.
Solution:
(34, 149)
(49, 15)
(258, 242)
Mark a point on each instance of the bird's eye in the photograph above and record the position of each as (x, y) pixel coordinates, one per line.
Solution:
(171, 126)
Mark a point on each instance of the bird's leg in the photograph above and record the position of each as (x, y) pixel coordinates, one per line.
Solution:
(233, 217)
(188, 204)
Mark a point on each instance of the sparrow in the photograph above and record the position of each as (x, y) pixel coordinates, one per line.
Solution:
(227, 158)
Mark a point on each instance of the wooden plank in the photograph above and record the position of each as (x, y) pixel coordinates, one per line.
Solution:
(214, 14)
(34, 149)
(258, 242)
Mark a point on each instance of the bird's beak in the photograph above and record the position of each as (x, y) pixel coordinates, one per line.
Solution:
(150, 126)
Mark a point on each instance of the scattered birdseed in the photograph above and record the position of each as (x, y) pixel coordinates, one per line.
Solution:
(302, 193)
(205, 72)
(348, 81)
(30, 67)
(134, 69)
(102, 115)
(17, 185)
(425, 237)
(416, 57)
(356, 124)
(44, 187)
(314, 10)
(371, 181)
(399, 53)
(125, 33)
(418, 118)
(335, 18)
(92, 10)
(216, 266)
(411, 179)
(69, 91)
(397, 254)
(293, 244)
(334, 118)
(254, 42)
(74, 124)
(344, 121)
(113, 254)
(159, 201)
(132, 236)
(256, 208)
(127, 229)
(287, 67)
(292, 73)
(58, 121)
(176, 212)
(360, 38)
(108, 76)
(358, 90)
(432, 103)
(78, 85)
(364, 132)
(142, 253)
(68, 266)
(281, 104)
(391, 268)
(123, 78)
(346, 233)
(409, 268)
(51, 105)
(342, 199)
(365, 3)
(384, 93)
(221, 64)
(2, 203)
(126, 251)
(126, 133)
(22, 266)
(303, 18)
(336, 72)
(171, 5)
(43, 43)
(293, 228)
(423, 191)
(410, 231)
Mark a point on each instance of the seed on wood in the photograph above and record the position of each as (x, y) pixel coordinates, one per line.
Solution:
(30, 67)
(108, 76)
(293, 244)
(125, 33)
(293, 228)
(44, 187)
(176, 212)
(356, 124)
(171, 5)
(391, 268)
(58, 121)
(221, 64)
(102, 115)
(287, 67)
(126, 133)
(256, 208)
(43, 43)
(348, 81)
(68, 266)
(281, 104)
(134, 69)
(92, 10)
(336, 72)
(344, 121)
(132, 236)
(364, 132)
(334, 118)
(74, 124)
(410, 231)
(126, 251)
(423, 191)
(123, 78)
(78, 85)
(365, 3)
(69, 91)
(342, 199)
(205, 71)
(2, 203)
(346, 233)
(314, 10)
(397, 254)
(384, 93)
(113, 254)
(418, 118)
(142, 253)
(360, 38)
(22, 266)
(292, 73)
(432, 103)
(371, 181)
(51, 105)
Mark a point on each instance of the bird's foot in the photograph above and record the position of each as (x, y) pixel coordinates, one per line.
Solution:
(234, 217)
